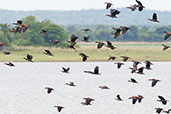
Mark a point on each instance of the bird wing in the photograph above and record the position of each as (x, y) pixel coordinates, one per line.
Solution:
(141, 69)
(161, 98)
(134, 100)
(166, 36)
(153, 83)
(139, 2)
(100, 45)
(84, 58)
(96, 70)
(109, 43)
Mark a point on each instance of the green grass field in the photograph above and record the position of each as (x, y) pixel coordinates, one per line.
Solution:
(135, 50)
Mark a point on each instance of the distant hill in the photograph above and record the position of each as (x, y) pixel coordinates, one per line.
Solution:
(89, 17)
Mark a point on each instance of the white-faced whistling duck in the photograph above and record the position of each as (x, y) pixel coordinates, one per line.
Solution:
(84, 56)
(167, 35)
(162, 99)
(72, 46)
(166, 111)
(19, 22)
(49, 89)
(71, 84)
(148, 65)
(111, 58)
(47, 52)
(59, 108)
(9, 64)
(65, 70)
(54, 42)
(140, 97)
(43, 31)
(134, 99)
(125, 58)
(154, 18)
(109, 45)
(87, 101)
(118, 98)
(29, 58)
(132, 80)
(96, 71)
(73, 39)
(85, 38)
(140, 70)
(103, 87)
(100, 44)
(6, 52)
(25, 27)
(108, 5)
(124, 29)
(136, 62)
(158, 110)
(154, 81)
(134, 68)
(140, 5)
(132, 7)
(113, 13)
(165, 47)
(117, 32)
(119, 65)
(85, 29)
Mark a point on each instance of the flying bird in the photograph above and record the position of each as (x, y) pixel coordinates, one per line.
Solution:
(111, 58)
(162, 99)
(71, 84)
(6, 52)
(125, 58)
(109, 45)
(154, 18)
(140, 5)
(85, 39)
(132, 7)
(9, 64)
(154, 81)
(119, 65)
(47, 52)
(103, 87)
(134, 99)
(113, 13)
(118, 97)
(165, 47)
(43, 31)
(108, 5)
(132, 80)
(84, 56)
(29, 58)
(88, 101)
(100, 44)
(158, 110)
(167, 35)
(96, 71)
(124, 29)
(85, 29)
(140, 70)
(65, 70)
(49, 89)
(59, 108)
(116, 33)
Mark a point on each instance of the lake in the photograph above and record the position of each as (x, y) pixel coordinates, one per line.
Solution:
(22, 88)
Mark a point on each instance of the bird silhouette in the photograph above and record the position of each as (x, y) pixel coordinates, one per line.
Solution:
(88, 101)
(96, 71)
(167, 35)
(84, 56)
(111, 58)
(154, 18)
(6, 52)
(125, 58)
(113, 13)
(49, 89)
(9, 64)
(59, 108)
(104, 87)
(118, 98)
(71, 84)
(47, 52)
(119, 65)
(65, 70)
(132, 80)
(43, 31)
(158, 110)
(162, 99)
(109, 45)
(29, 58)
(108, 5)
(132, 7)
(100, 44)
(85, 38)
(165, 47)
(140, 5)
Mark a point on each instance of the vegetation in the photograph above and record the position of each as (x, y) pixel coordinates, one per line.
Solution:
(136, 50)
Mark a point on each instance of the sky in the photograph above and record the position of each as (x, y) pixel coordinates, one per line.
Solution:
(162, 5)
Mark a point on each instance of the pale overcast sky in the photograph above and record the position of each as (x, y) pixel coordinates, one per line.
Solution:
(163, 5)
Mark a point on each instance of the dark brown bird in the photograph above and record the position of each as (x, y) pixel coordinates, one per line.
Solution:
(165, 47)
(73, 39)
(65, 70)
(85, 39)
(103, 87)
(29, 58)
(167, 35)
(134, 68)
(72, 46)
(166, 111)
(87, 101)
(25, 27)
(148, 65)
(100, 44)
(119, 65)
(47, 52)
(19, 29)
(111, 58)
(140, 97)
(59, 108)
(113, 13)
(118, 98)
(162, 99)
(125, 58)
(43, 31)
(154, 18)
(154, 81)
(9, 64)
(85, 29)
(108, 5)
(140, 70)
(96, 71)
(132, 7)
(158, 110)
(124, 29)
(55, 42)
(117, 32)
(6, 52)
(109, 45)
(49, 89)
(140, 5)
(71, 84)
(84, 56)
(134, 99)
(136, 62)
(132, 80)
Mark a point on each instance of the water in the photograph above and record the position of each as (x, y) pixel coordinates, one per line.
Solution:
(22, 88)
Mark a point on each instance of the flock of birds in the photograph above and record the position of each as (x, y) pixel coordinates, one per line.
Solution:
(21, 28)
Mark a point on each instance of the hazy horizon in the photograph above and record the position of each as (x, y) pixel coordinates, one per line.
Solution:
(33, 5)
